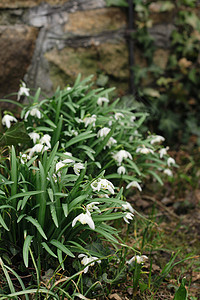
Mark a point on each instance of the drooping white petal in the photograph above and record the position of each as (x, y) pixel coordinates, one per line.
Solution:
(23, 91)
(127, 217)
(34, 136)
(121, 170)
(128, 206)
(7, 119)
(139, 259)
(134, 184)
(170, 161)
(102, 100)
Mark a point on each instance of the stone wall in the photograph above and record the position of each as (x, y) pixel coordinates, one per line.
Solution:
(47, 43)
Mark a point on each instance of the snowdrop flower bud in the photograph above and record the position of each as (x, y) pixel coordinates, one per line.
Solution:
(134, 184)
(170, 161)
(121, 170)
(7, 119)
(24, 158)
(23, 91)
(34, 136)
(102, 100)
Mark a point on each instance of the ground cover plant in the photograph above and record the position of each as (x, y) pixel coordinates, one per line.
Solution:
(68, 164)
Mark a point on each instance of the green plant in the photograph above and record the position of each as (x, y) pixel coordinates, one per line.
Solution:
(56, 197)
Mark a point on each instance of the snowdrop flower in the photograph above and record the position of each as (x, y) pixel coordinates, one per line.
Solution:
(134, 184)
(111, 142)
(7, 119)
(170, 161)
(139, 259)
(24, 158)
(46, 140)
(103, 132)
(23, 91)
(128, 206)
(127, 217)
(92, 206)
(101, 100)
(168, 172)
(68, 88)
(34, 112)
(88, 261)
(68, 160)
(90, 120)
(77, 167)
(144, 150)
(132, 119)
(104, 184)
(118, 116)
(74, 132)
(37, 148)
(163, 151)
(157, 139)
(121, 170)
(122, 154)
(59, 165)
(34, 136)
(84, 218)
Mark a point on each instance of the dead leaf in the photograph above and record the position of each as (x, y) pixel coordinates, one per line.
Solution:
(115, 296)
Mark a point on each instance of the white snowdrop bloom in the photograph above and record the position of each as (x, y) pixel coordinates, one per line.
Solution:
(88, 261)
(110, 122)
(34, 136)
(102, 100)
(128, 206)
(170, 161)
(104, 184)
(103, 132)
(23, 91)
(24, 158)
(103, 196)
(127, 217)
(77, 167)
(122, 154)
(139, 259)
(111, 142)
(92, 206)
(74, 132)
(34, 112)
(156, 139)
(163, 151)
(46, 140)
(68, 88)
(134, 184)
(121, 170)
(144, 150)
(7, 119)
(68, 160)
(132, 119)
(168, 172)
(118, 116)
(59, 165)
(38, 148)
(90, 120)
(84, 218)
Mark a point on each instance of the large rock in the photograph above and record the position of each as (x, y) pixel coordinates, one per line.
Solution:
(17, 46)
(28, 3)
(95, 21)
